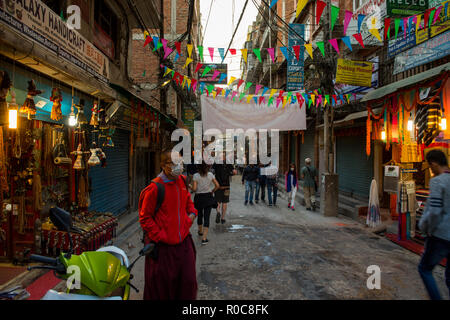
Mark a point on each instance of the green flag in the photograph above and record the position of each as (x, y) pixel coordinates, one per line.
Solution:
(270, 101)
(309, 104)
(258, 54)
(334, 15)
(248, 85)
(430, 20)
(241, 96)
(321, 47)
(200, 52)
(397, 25)
(207, 69)
(159, 45)
(210, 88)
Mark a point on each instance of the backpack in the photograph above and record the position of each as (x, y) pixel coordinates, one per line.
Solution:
(159, 198)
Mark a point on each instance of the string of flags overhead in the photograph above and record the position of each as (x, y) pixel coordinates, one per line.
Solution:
(280, 97)
(407, 24)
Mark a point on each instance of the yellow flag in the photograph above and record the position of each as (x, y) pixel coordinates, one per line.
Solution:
(166, 83)
(189, 49)
(188, 80)
(325, 101)
(300, 5)
(188, 61)
(146, 34)
(214, 93)
(249, 97)
(244, 54)
(313, 98)
(223, 92)
(272, 92)
(376, 34)
(168, 71)
(308, 47)
(284, 101)
(184, 82)
(231, 80)
(419, 18)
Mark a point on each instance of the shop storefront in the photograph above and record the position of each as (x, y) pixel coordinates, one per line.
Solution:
(412, 121)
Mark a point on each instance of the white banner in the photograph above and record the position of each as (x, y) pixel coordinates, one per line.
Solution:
(223, 114)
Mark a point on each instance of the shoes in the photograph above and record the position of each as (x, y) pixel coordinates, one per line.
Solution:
(289, 205)
(251, 203)
(223, 221)
(245, 203)
(270, 204)
(309, 209)
(218, 217)
(313, 207)
(256, 201)
(199, 233)
(205, 241)
(292, 208)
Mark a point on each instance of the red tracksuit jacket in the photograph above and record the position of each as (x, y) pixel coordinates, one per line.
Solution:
(171, 223)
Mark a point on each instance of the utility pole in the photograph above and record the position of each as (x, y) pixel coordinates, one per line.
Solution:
(329, 182)
(162, 90)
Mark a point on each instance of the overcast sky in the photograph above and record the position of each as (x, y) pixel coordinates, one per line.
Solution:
(219, 29)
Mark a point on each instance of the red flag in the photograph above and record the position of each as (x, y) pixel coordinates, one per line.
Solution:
(387, 24)
(280, 95)
(147, 41)
(261, 99)
(199, 65)
(358, 38)
(178, 46)
(297, 52)
(426, 18)
(335, 98)
(319, 10)
(240, 83)
(233, 51)
(300, 99)
(218, 90)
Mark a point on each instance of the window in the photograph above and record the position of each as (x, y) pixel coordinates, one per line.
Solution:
(106, 23)
(358, 4)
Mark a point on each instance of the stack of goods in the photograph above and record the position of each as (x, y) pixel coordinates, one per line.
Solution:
(422, 196)
(406, 208)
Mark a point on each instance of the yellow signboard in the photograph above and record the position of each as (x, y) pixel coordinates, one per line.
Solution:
(437, 29)
(356, 73)
(421, 36)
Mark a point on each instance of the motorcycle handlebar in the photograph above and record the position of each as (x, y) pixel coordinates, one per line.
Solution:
(46, 260)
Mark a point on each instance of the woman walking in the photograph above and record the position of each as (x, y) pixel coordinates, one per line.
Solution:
(205, 184)
(291, 185)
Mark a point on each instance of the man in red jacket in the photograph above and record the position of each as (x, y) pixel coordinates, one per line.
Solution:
(170, 273)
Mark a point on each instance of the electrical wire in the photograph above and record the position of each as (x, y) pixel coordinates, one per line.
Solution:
(207, 20)
(235, 30)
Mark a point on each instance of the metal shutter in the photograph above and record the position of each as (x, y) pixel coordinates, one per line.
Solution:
(354, 168)
(110, 184)
(307, 148)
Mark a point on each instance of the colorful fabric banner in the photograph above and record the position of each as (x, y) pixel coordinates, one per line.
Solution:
(321, 47)
(361, 18)
(271, 52)
(334, 15)
(320, 5)
(347, 19)
(189, 49)
(244, 54)
(284, 52)
(297, 52)
(222, 53)
(211, 53)
(347, 42)
(300, 5)
(335, 45)
(308, 47)
(257, 54)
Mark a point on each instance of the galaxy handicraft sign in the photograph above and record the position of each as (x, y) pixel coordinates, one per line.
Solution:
(38, 22)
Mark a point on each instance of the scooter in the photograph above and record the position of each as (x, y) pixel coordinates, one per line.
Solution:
(104, 274)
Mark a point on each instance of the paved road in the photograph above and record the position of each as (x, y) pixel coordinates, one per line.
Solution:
(275, 253)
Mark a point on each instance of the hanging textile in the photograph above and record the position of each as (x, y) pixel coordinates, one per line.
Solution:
(373, 213)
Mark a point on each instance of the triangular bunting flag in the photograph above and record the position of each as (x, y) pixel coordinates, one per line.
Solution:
(327, 100)
(285, 100)
(231, 80)
(358, 38)
(257, 52)
(155, 42)
(168, 70)
(256, 99)
(167, 52)
(189, 49)
(334, 43)
(184, 82)
(430, 19)
(222, 53)
(233, 51)
(199, 65)
(219, 90)
(361, 18)
(426, 17)
(223, 76)
(347, 42)
(272, 92)
(405, 27)
(244, 54)
(178, 47)
(248, 85)
(271, 52)
(387, 26)
(214, 93)
(321, 47)
(215, 75)
(249, 97)
(300, 5)
(265, 90)
(188, 62)
(319, 99)
(313, 99)
(376, 34)
(194, 84)
(200, 52)
(241, 96)
(297, 52)
(164, 42)
(437, 13)
(257, 88)
(270, 101)
(261, 99)
(418, 20)
(285, 52)
(240, 82)
(320, 5)
(397, 26)
(233, 95)
(177, 56)
(308, 47)
(147, 41)
(211, 53)
(334, 15)
(347, 19)
(227, 92)
(272, 3)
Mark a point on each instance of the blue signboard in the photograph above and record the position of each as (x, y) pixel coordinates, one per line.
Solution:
(433, 49)
(401, 44)
(295, 68)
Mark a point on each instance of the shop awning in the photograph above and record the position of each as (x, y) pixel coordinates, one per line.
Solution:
(393, 87)
(348, 120)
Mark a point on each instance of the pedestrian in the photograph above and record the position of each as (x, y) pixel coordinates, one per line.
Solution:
(435, 222)
(291, 185)
(191, 170)
(170, 270)
(250, 178)
(309, 176)
(261, 184)
(223, 173)
(204, 186)
(272, 184)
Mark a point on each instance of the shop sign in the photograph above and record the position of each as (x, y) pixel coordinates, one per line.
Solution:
(295, 68)
(435, 30)
(372, 9)
(433, 49)
(405, 8)
(422, 36)
(401, 44)
(189, 118)
(222, 68)
(34, 20)
(357, 73)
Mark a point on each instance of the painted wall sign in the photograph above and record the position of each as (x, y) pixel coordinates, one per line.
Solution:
(295, 68)
(405, 8)
(357, 73)
(34, 20)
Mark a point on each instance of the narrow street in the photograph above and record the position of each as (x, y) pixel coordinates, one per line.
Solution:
(275, 253)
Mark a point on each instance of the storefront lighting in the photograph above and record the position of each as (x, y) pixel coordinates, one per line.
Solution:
(72, 119)
(383, 135)
(13, 112)
(410, 125)
(443, 124)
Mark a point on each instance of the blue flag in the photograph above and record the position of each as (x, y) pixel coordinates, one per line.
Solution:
(264, 90)
(347, 42)
(222, 53)
(273, 3)
(222, 76)
(360, 21)
(256, 99)
(284, 51)
(155, 41)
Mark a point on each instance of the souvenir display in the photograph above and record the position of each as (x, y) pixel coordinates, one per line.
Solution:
(79, 163)
(94, 116)
(28, 106)
(81, 118)
(56, 98)
(94, 159)
(5, 85)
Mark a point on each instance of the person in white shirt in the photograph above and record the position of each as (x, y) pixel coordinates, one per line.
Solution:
(204, 186)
